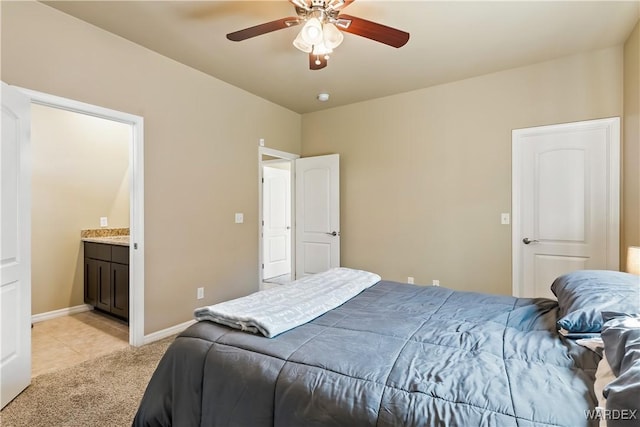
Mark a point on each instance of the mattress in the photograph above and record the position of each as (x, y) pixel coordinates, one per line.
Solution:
(394, 355)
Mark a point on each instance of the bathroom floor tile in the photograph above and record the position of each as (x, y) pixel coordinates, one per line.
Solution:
(69, 340)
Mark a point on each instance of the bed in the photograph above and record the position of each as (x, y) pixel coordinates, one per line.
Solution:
(393, 355)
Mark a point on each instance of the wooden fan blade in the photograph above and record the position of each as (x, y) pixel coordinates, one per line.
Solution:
(312, 62)
(374, 31)
(267, 27)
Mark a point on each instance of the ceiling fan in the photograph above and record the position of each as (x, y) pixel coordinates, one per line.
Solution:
(322, 29)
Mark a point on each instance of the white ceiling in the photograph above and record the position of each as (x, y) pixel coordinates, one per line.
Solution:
(450, 40)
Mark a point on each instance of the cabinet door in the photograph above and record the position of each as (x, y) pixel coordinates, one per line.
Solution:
(90, 282)
(103, 286)
(120, 290)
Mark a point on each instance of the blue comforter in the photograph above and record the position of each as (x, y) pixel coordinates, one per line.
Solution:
(395, 355)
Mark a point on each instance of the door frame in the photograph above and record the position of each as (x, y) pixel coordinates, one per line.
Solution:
(136, 197)
(291, 158)
(612, 124)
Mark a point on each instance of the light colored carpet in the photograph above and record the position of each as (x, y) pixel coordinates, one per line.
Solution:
(99, 392)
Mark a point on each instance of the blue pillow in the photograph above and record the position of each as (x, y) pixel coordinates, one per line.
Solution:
(621, 337)
(584, 294)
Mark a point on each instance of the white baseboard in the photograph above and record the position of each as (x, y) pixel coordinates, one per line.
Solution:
(155, 336)
(35, 318)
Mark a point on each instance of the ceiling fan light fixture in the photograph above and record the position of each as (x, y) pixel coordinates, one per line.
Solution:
(332, 36)
(321, 49)
(312, 31)
(302, 45)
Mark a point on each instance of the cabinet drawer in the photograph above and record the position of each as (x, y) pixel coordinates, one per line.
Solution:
(120, 254)
(97, 251)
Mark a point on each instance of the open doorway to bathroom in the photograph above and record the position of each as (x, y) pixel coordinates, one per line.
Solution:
(80, 182)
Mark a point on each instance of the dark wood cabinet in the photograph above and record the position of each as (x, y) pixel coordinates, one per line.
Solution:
(96, 279)
(106, 278)
(120, 290)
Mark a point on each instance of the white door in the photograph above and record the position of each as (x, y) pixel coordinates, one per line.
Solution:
(15, 247)
(276, 216)
(317, 214)
(565, 202)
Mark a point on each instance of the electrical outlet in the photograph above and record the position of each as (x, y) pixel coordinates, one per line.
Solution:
(504, 219)
(410, 280)
(239, 218)
(436, 282)
(200, 293)
(103, 221)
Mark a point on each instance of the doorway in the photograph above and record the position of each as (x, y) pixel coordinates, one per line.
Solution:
(566, 195)
(276, 221)
(70, 193)
(308, 190)
(135, 196)
(276, 208)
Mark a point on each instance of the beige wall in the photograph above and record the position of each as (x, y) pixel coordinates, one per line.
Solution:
(80, 172)
(631, 147)
(201, 141)
(426, 174)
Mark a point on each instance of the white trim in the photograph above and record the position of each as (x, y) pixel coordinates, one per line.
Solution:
(612, 126)
(516, 250)
(164, 333)
(136, 220)
(35, 318)
(613, 233)
(277, 153)
(291, 158)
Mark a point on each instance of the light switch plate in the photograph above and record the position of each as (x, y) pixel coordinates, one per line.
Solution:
(239, 218)
(504, 219)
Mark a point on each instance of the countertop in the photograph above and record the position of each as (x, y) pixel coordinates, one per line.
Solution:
(109, 240)
(109, 236)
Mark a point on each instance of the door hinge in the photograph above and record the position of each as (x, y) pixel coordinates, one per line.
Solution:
(262, 266)
(135, 246)
(263, 180)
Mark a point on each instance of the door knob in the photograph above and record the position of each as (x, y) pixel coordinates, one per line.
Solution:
(334, 233)
(526, 241)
